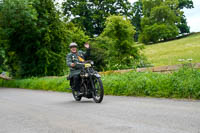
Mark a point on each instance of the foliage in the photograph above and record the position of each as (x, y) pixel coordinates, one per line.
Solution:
(34, 27)
(117, 42)
(2, 54)
(184, 83)
(91, 15)
(142, 18)
(77, 35)
(99, 53)
(185, 4)
(121, 32)
(2, 59)
(159, 15)
(158, 32)
(136, 16)
(183, 27)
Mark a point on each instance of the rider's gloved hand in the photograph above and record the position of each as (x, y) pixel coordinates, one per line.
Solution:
(79, 65)
(87, 46)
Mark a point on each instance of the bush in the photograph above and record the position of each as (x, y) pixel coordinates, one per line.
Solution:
(182, 84)
(116, 45)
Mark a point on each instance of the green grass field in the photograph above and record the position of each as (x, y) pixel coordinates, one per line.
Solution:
(169, 53)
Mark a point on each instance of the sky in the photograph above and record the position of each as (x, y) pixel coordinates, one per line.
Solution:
(192, 15)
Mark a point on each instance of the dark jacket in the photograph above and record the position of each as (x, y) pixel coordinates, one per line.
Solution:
(73, 58)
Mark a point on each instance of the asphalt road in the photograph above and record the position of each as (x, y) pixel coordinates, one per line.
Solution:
(29, 111)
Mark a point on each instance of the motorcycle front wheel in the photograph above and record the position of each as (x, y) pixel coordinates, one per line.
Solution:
(75, 95)
(98, 91)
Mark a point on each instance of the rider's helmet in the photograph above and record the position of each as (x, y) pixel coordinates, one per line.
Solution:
(73, 44)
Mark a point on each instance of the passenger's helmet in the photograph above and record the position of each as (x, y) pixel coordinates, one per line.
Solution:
(73, 44)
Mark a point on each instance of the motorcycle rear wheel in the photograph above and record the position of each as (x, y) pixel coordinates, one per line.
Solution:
(98, 91)
(75, 95)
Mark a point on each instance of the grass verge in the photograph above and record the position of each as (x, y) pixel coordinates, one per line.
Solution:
(54, 84)
(184, 83)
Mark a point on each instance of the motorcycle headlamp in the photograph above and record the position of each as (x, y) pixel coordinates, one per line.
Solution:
(87, 65)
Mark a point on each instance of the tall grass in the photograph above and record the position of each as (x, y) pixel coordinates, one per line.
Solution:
(53, 84)
(184, 83)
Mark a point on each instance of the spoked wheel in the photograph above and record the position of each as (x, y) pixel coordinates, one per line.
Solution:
(75, 94)
(98, 90)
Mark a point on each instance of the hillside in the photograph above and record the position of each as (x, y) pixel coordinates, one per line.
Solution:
(172, 52)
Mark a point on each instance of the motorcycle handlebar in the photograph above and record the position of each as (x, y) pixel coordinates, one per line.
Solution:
(91, 62)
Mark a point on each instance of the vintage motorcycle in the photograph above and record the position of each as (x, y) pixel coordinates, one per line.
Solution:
(91, 84)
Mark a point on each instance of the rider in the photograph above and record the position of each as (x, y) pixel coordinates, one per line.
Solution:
(73, 58)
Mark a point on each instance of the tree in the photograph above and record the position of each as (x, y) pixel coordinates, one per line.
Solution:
(36, 38)
(91, 14)
(118, 43)
(53, 39)
(2, 58)
(159, 21)
(15, 18)
(183, 27)
(136, 16)
(77, 35)
(185, 4)
(2, 53)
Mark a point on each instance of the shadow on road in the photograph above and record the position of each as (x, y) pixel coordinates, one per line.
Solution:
(76, 102)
